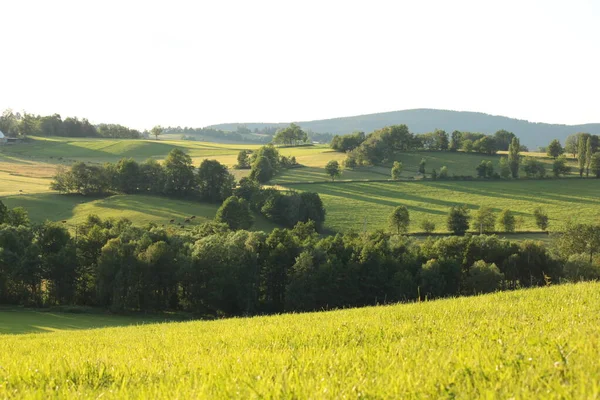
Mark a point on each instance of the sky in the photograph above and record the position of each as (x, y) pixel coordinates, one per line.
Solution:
(197, 63)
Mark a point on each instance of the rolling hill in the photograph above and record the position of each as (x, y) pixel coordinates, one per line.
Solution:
(526, 344)
(532, 134)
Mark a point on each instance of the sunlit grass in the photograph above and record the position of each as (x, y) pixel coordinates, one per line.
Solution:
(541, 343)
(354, 206)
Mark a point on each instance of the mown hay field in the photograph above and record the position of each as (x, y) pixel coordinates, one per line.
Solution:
(539, 343)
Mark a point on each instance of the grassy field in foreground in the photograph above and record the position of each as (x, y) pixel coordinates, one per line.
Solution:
(348, 205)
(140, 209)
(540, 343)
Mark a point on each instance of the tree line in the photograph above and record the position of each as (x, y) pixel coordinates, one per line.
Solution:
(25, 124)
(211, 270)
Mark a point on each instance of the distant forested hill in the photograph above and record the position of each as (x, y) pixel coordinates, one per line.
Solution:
(426, 120)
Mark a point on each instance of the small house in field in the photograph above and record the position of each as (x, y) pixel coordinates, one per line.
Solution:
(2, 138)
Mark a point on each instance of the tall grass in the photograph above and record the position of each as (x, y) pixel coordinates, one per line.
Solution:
(540, 343)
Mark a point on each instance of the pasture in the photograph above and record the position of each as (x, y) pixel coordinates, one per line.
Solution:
(351, 206)
(539, 343)
(26, 171)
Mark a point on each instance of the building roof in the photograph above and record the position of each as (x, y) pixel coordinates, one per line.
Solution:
(1, 135)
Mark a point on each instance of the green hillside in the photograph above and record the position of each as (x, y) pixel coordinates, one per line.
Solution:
(427, 120)
(540, 343)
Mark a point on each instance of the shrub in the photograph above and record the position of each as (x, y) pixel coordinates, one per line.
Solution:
(482, 278)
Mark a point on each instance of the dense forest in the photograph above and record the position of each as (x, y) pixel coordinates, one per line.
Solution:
(211, 270)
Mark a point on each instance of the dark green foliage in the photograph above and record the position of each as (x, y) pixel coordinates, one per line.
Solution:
(3, 212)
(541, 218)
(458, 220)
(485, 169)
(507, 221)
(215, 183)
(484, 220)
(235, 212)
(534, 168)
(485, 145)
(292, 135)
(289, 209)
(179, 173)
(243, 160)
(346, 143)
(455, 141)
(399, 219)
(422, 166)
(333, 169)
(503, 139)
(560, 167)
(427, 226)
(555, 149)
(214, 271)
(595, 165)
(513, 157)
(482, 277)
(53, 125)
(262, 170)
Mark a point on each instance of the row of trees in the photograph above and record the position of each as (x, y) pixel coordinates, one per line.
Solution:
(212, 270)
(25, 124)
(586, 152)
(459, 218)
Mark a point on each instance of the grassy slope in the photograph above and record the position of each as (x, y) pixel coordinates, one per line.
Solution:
(140, 209)
(348, 204)
(541, 343)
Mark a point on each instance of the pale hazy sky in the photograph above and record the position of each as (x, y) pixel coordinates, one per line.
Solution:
(195, 63)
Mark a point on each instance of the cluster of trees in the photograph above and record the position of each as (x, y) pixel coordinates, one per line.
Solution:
(210, 182)
(582, 146)
(346, 143)
(213, 271)
(291, 136)
(24, 124)
(381, 145)
(264, 163)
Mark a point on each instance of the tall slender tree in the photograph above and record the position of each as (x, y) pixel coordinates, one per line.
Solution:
(513, 157)
(581, 155)
(588, 156)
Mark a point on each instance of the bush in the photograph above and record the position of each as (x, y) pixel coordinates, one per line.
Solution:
(482, 278)
(427, 226)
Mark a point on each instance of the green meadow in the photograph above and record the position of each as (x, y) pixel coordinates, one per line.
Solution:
(527, 344)
(351, 206)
